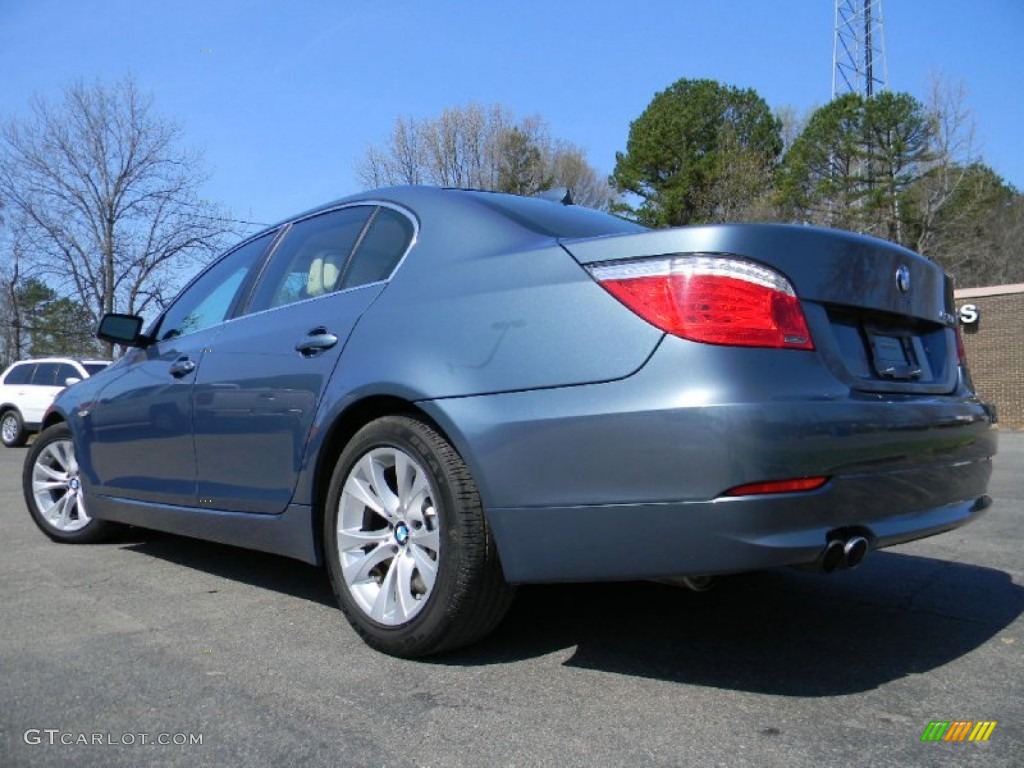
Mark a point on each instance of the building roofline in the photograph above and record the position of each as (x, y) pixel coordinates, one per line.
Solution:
(989, 290)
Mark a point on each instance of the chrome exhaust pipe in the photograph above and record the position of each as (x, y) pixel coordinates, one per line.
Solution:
(694, 583)
(834, 556)
(854, 551)
(840, 552)
(699, 583)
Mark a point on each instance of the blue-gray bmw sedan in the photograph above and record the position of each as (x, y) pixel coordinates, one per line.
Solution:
(443, 393)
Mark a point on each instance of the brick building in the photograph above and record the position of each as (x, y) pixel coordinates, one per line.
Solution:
(992, 320)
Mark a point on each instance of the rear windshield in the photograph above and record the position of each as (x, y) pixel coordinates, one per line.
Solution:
(552, 219)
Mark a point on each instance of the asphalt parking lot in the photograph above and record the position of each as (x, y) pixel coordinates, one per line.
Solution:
(159, 638)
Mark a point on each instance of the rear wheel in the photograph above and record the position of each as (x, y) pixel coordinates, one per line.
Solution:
(12, 429)
(409, 553)
(53, 490)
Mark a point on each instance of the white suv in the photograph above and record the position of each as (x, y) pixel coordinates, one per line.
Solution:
(28, 387)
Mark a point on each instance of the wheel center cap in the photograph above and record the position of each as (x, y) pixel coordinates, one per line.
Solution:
(401, 533)
(73, 484)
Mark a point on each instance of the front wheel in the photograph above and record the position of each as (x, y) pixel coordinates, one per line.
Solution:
(409, 553)
(12, 429)
(53, 490)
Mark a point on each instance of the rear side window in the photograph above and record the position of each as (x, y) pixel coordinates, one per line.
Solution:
(311, 259)
(380, 250)
(20, 374)
(46, 374)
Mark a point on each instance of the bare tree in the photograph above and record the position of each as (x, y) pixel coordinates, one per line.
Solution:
(953, 153)
(482, 148)
(11, 338)
(1009, 242)
(961, 213)
(460, 147)
(400, 161)
(108, 202)
(568, 167)
(791, 124)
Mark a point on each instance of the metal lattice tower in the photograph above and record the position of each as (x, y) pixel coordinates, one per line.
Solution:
(858, 49)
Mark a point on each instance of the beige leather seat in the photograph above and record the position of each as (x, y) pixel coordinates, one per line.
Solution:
(323, 274)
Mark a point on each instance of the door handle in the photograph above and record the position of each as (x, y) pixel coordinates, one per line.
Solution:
(182, 367)
(315, 342)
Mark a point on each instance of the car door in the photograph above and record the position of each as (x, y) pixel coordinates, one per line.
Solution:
(140, 442)
(258, 389)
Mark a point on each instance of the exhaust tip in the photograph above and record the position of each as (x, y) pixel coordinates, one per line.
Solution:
(833, 557)
(699, 583)
(855, 550)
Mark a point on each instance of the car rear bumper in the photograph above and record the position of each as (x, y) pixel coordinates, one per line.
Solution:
(627, 479)
(722, 536)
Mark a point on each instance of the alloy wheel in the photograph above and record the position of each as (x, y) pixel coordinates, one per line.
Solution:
(57, 489)
(389, 536)
(9, 428)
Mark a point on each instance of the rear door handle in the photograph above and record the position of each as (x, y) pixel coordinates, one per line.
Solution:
(315, 342)
(182, 367)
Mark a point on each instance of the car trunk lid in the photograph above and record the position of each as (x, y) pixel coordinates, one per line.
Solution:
(881, 316)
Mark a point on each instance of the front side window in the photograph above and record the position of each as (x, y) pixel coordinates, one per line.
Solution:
(312, 258)
(210, 298)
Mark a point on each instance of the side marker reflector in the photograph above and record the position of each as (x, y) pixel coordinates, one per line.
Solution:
(794, 485)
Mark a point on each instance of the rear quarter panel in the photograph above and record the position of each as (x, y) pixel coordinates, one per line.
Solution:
(482, 305)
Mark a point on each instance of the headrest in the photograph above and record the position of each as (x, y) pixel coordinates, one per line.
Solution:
(323, 274)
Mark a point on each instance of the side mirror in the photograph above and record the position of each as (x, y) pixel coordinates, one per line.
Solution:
(122, 329)
(71, 380)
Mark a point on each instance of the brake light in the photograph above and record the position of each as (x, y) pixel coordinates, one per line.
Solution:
(713, 299)
(795, 485)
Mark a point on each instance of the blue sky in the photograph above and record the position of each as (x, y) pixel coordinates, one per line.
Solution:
(283, 97)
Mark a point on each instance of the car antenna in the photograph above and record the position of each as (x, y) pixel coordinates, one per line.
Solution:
(561, 195)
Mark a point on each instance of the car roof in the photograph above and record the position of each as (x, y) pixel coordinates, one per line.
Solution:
(536, 215)
(78, 360)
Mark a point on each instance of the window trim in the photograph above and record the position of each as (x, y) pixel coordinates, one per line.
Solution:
(240, 306)
(244, 309)
(356, 246)
(245, 290)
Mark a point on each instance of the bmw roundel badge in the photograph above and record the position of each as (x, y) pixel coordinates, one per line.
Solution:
(903, 280)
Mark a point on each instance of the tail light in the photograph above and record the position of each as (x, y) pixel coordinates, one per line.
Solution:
(961, 350)
(713, 299)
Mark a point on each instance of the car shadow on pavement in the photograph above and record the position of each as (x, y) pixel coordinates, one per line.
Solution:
(259, 569)
(780, 632)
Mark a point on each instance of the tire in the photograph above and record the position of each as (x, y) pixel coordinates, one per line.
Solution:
(413, 566)
(53, 490)
(12, 429)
